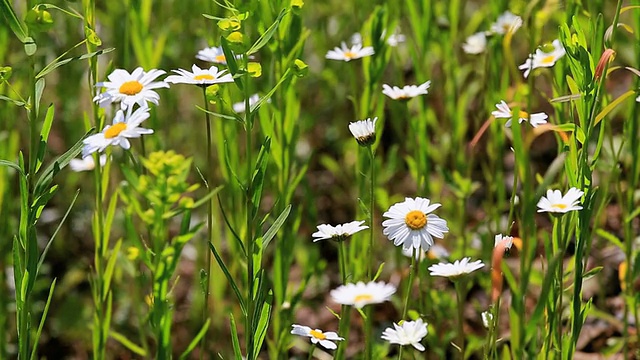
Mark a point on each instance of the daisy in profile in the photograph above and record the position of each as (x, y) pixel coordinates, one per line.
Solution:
(508, 241)
(554, 202)
(362, 294)
(345, 53)
(543, 59)
(504, 112)
(326, 339)
(200, 77)
(407, 333)
(128, 89)
(338, 232)
(364, 131)
(408, 92)
(457, 269)
(475, 44)
(412, 225)
(507, 22)
(214, 55)
(86, 164)
(123, 128)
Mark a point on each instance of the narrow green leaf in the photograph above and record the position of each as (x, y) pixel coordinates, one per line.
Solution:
(12, 165)
(53, 236)
(233, 232)
(231, 61)
(194, 342)
(138, 350)
(44, 136)
(273, 230)
(56, 64)
(268, 34)
(234, 339)
(45, 312)
(263, 325)
(611, 238)
(613, 105)
(111, 264)
(16, 25)
(257, 182)
(15, 102)
(222, 116)
(229, 277)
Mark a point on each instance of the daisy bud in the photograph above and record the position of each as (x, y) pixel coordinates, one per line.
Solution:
(364, 131)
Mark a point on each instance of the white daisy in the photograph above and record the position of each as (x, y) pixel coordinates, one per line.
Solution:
(408, 333)
(339, 232)
(86, 164)
(197, 76)
(129, 89)
(364, 131)
(326, 339)
(393, 40)
(487, 319)
(362, 294)
(505, 23)
(543, 59)
(411, 225)
(508, 240)
(347, 54)
(475, 44)
(239, 107)
(407, 92)
(123, 128)
(214, 55)
(458, 268)
(437, 251)
(504, 112)
(554, 202)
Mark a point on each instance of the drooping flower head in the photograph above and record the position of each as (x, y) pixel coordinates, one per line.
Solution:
(407, 333)
(129, 89)
(543, 59)
(362, 294)
(346, 53)
(201, 77)
(338, 232)
(412, 225)
(317, 336)
(475, 44)
(507, 240)
(457, 269)
(364, 131)
(554, 202)
(507, 22)
(124, 127)
(407, 92)
(504, 112)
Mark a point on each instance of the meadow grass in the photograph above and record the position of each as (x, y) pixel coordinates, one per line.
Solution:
(271, 187)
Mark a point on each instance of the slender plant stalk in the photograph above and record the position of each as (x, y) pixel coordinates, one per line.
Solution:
(460, 295)
(345, 311)
(370, 263)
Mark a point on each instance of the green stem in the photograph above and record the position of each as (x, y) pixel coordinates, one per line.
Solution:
(250, 244)
(311, 350)
(368, 338)
(370, 263)
(205, 308)
(345, 312)
(460, 292)
(414, 254)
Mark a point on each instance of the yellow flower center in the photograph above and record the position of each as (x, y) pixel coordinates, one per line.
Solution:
(548, 59)
(204, 77)
(363, 297)
(559, 206)
(523, 114)
(415, 219)
(130, 87)
(115, 130)
(221, 58)
(318, 334)
(349, 54)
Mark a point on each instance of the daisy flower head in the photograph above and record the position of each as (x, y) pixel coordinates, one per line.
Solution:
(86, 164)
(362, 294)
(124, 127)
(130, 88)
(326, 339)
(457, 269)
(200, 77)
(554, 202)
(436, 252)
(407, 92)
(239, 107)
(487, 319)
(345, 53)
(475, 44)
(364, 131)
(507, 22)
(407, 333)
(543, 59)
(411, 225)
(508, 240)
(396, 39)
(214, 55)
(504, 112)
(338, 232)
